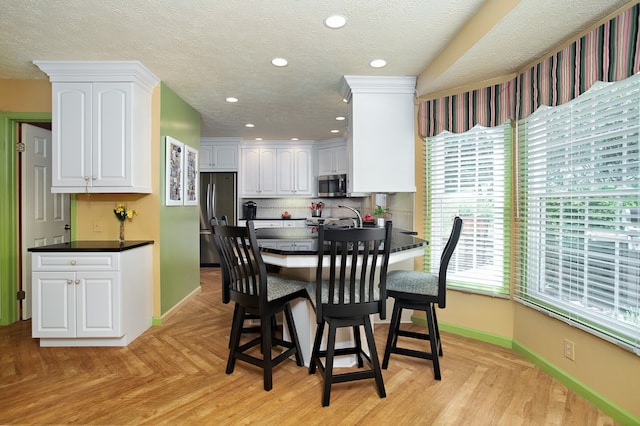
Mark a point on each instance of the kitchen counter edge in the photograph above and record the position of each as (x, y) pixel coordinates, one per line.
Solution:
(92, 246)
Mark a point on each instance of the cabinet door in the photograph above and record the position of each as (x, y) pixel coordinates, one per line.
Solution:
(267, 172)
(340, 157)
(206, 157)
(303, 174)
(225, 158)
(98, 305)
(325, 161)
(250, 172)
(111, 145)
(53, 304)
(286, 171)
(71, 128)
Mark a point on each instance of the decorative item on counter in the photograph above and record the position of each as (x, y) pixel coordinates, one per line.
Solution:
(368, 220)
(316, 209)
(286, 215)
(123, 213)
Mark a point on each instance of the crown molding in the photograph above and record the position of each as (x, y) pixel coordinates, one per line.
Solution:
(94, 71)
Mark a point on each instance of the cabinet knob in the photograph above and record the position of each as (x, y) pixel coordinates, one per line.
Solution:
(93, 178)
(77, 282)
(86, 178)
(69, 281)
(73, 262)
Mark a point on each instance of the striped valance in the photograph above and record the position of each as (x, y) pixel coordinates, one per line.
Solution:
(608, 53)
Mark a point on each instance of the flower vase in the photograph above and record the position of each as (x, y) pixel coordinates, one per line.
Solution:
(121, 232)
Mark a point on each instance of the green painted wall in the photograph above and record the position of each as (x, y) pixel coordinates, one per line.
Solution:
(179, 225)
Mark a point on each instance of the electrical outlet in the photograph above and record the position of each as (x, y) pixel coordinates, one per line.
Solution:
(569, 350)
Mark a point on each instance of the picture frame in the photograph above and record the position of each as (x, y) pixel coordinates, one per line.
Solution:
(190, 192)
(174, 172)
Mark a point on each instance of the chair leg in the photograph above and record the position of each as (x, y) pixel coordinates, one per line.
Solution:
(392, 336)
(315, 353)
(234, 339)
(328, 368)
(358, 346)
(434, 344)
(435, 322)
(267, 339)
(291, 325)
(375, 363)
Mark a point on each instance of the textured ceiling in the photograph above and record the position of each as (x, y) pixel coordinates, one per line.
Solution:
(206, 50)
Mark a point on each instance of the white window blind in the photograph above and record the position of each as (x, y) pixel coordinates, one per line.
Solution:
(469, 174)
(579, 192)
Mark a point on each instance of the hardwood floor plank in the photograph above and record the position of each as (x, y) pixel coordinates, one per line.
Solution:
(174, 374)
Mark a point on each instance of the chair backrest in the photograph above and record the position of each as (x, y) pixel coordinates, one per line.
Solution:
(247, 273)
(356, 262)
(445, 257)
(225, 273)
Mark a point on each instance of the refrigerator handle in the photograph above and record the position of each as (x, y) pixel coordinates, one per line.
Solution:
(213, 199)
(209, 216)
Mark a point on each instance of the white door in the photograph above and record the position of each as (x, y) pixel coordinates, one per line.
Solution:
(44, 216)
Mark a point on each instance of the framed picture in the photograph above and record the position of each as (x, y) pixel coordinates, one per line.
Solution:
(174, 174)
(190, 176)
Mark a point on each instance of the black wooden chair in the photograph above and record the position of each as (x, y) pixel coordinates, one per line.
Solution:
(355, 289)
(226, 284)
(420, 291)
(256, 293)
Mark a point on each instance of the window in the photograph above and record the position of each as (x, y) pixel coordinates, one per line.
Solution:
(469, 175)
(579, 191)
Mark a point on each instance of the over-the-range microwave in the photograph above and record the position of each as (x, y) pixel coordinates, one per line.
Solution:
(332, 186)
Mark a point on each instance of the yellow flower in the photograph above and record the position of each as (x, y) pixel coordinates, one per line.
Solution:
(123, 213)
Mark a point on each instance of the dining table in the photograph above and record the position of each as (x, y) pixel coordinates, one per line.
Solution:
(302, 264)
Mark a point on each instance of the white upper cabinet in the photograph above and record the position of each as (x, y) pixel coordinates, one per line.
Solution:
(219, 155)
(295, 172)
(258, 173)
(332, 160)
(275, 170)
(381, 139)
(101, 126)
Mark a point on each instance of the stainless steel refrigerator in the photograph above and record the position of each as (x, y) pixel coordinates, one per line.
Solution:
(218, 197)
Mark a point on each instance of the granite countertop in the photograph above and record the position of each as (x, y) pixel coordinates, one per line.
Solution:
(401, 240)
(95, 246)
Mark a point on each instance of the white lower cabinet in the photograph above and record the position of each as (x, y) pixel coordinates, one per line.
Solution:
(91, 298)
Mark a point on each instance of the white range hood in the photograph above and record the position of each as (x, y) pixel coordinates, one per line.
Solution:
(381, 136)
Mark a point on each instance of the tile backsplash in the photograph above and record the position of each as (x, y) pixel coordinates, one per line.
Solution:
(400, 206)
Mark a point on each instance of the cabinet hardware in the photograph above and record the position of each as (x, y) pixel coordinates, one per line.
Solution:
(69, 282)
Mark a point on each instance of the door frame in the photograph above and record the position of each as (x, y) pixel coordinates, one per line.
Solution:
(9, 210)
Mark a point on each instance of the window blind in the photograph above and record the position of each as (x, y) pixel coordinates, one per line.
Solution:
(578, 250)
(469, 175)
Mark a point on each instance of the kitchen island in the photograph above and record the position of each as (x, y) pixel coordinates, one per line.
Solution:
(300, 261)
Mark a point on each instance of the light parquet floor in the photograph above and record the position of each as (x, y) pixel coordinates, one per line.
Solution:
(174, 374)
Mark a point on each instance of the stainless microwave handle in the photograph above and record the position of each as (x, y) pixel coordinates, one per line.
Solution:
(343, 185)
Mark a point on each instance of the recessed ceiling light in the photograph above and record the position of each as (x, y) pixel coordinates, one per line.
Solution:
(295, 139)
(279, 62)
(340, 118)
(335, 21)
(232, 99)
(345, 100)
(258, 139)
(378, 63)
(249, 125)
(335, 131)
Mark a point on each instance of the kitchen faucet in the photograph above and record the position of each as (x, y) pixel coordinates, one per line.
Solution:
(359, 224)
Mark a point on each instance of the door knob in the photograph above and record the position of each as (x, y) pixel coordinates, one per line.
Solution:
(67, 227)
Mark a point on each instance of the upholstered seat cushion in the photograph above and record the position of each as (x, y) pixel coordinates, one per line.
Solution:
(413, 282)
(311, 289)
(278, 286)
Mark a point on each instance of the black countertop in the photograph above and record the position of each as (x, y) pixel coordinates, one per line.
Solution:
(400, 240)
(95, 246)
